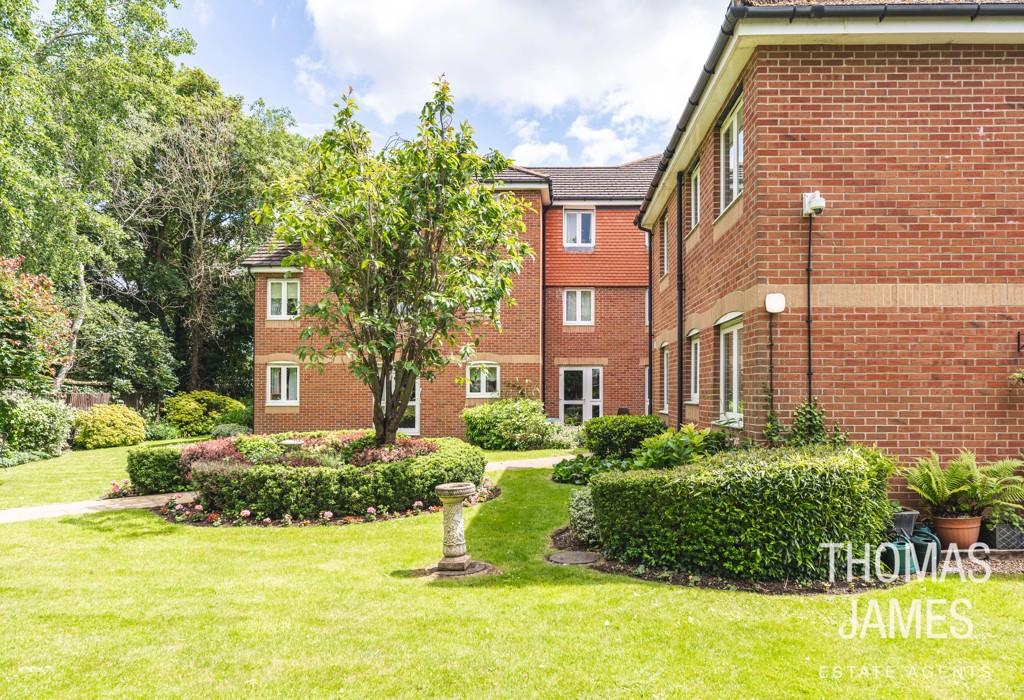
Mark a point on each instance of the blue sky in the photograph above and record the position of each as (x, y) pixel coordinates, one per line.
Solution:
(545, 82)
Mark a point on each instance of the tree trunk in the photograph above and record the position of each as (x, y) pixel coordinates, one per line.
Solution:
(76, 328)
(194, 355)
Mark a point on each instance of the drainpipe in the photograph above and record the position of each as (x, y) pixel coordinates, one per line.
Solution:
(810, 336)
(543, 305)
(680, 297)
(649, 399)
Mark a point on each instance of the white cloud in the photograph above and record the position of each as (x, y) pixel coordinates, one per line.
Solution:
(203, 11)
(273, 23)
(629, 62)
(534, 153)
(526, 130)
(602, 146)
(307, 82)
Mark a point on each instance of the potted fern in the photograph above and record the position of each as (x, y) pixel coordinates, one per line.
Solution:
(964, 492)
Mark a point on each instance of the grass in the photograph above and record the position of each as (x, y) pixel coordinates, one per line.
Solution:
(125, 604)
(74, 476)
(503, 455)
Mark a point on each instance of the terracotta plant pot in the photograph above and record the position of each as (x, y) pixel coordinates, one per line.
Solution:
(962, 532)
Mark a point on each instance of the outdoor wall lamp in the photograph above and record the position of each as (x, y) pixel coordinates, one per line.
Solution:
(774, 303)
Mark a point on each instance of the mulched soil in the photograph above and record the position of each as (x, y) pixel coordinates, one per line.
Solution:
(167, 512)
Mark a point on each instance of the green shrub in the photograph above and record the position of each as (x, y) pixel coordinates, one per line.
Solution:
(675, 448)
(581, 517)
(161, 430)
(260, 448)
(228, 430)
(29, 424)
(578, 470)
(756, 514)
(196, 412)
(509, 424)
(274, 490)
(618, 436)
(565, 437)
(156, 470)
(13, 459)
(108, 425)
(237, 416)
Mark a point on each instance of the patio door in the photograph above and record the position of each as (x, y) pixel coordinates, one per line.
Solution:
(410, 423)
(580, 391)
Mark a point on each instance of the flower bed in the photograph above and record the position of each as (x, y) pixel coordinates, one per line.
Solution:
(197, 514)
(303, 475)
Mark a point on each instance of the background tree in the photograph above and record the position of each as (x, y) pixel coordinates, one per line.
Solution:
(33, 328)
(417, 247)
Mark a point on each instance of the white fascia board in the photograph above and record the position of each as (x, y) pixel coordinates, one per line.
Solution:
(592, 203)
(543, 187)
(751, 33)
(276, 269)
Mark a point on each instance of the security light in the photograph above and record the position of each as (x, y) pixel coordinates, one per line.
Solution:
(775, 303)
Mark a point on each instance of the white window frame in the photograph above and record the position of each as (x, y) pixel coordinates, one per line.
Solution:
(577, 229)
(284, 368)
(665, 378)
(588, 401)
(729, 124)
(664, 244)
(414, 403)
(695, 196)
(694, 368)
(483, 393)
(578, 292)
(730, 341)
(284, 315)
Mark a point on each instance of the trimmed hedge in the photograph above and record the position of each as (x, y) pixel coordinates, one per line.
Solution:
(276, 490)
(108, 425)
(156, 470)
(756, 515)
(582, 523)
(508, 424)
(196, 412)
(618, 436)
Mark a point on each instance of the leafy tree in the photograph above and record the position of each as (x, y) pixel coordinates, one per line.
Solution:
(33, 328)
(132, 356)
(417, 247)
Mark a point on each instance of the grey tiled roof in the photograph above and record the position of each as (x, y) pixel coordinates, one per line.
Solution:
(611, 183)
(628, 181)
(268, 254)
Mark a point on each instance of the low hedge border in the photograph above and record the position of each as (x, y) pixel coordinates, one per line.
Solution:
(156, 470)
(276, 490)
(755, 515)
(617, 436)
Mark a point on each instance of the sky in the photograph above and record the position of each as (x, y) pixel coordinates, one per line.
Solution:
(545, 82)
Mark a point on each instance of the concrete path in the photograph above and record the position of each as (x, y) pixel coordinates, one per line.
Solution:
(57, 510)
(535, 463)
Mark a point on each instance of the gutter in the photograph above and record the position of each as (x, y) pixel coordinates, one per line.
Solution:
(737, 12)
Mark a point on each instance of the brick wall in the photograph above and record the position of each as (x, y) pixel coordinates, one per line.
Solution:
(333, 398)
(919, 260)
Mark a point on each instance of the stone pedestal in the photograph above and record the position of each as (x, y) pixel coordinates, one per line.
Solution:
(456, 558)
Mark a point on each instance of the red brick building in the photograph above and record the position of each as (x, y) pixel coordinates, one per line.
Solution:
(575, 338)
(909, 120)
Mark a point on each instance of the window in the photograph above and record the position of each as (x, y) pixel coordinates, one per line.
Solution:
(282, 299)
(580, 390)
(578, 229)
(578, 307)
(730, 377)
(664, 379)
(482, 380)
(732, 155)
(410, 423)
(665, 244)
(695, 196)
(282, 385)
(694, 368)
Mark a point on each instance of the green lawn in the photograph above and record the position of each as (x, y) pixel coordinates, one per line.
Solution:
(74, 476)
(127, 605)
(504, 455)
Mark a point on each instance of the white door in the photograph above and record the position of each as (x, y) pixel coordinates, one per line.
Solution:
(410, 423)
(580, 391)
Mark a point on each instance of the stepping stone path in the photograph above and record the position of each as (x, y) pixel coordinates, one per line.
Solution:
(574, 558)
